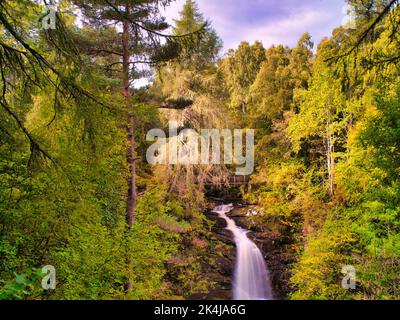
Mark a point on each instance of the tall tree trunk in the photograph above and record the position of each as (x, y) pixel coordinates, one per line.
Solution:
(131, 199)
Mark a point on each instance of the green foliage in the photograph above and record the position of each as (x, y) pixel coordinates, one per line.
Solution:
(383, 135)
(330, 119)
(22, 286)
(240, 69)
(318, 273)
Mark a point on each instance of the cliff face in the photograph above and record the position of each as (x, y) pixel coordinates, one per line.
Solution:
(222, 258)
(204, 267)
(216, 258)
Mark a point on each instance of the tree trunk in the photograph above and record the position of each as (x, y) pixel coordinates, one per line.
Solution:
(330, 146)
(131, 199)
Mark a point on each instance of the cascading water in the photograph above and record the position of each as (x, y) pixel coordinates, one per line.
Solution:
(251, 279)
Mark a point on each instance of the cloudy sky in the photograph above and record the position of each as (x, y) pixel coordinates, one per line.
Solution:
(270, 21)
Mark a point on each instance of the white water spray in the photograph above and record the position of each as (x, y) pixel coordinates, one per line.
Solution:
(251, 279)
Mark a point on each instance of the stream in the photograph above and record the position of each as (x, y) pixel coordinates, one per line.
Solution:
(251, 277)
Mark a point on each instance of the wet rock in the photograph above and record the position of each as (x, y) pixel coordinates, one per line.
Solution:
(221, 294)
(219, 262)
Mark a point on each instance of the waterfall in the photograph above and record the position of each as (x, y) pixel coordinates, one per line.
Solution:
(251, 278)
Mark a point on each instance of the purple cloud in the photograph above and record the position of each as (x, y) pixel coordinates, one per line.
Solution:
(270, 21)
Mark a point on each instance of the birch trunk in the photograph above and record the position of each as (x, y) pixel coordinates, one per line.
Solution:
(330, 159)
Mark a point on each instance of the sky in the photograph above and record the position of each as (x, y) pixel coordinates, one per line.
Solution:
(270, 21)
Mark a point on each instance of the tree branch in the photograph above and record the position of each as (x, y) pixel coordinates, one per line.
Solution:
(364, 35)
(177, 104)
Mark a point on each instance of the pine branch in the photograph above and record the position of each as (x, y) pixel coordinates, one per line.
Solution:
(365, 34)
(73, 89)
(177, 104)
(35, 148)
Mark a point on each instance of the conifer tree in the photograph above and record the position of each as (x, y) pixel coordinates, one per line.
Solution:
(142, 40)
(208, 48)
